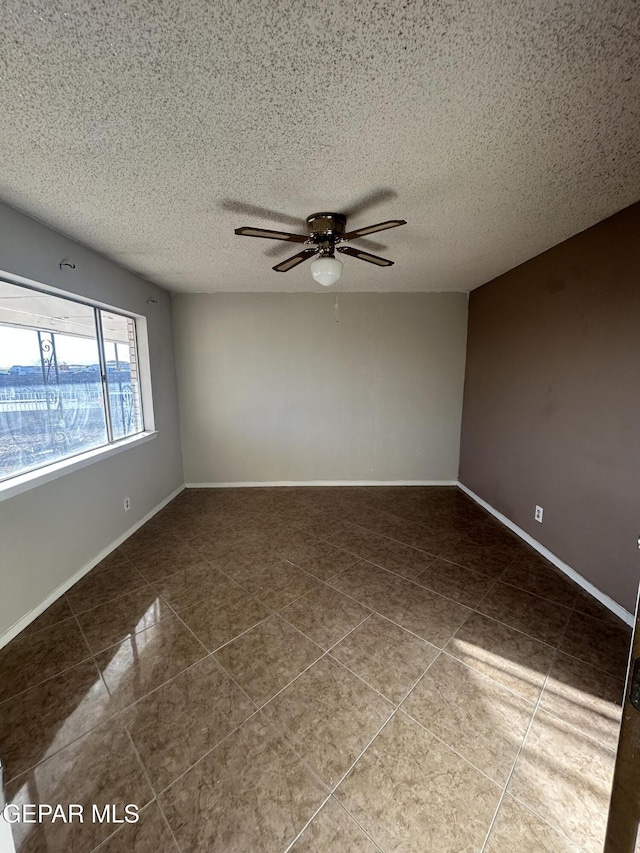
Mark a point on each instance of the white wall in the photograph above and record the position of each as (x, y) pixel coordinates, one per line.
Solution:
(49, 533)
(272, 388)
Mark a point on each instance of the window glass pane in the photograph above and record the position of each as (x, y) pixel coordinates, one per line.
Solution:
(121, 359)
(51, 402)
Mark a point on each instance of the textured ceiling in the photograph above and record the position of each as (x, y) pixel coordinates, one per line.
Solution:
(497, 129)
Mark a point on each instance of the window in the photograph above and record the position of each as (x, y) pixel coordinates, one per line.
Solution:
(69, 378)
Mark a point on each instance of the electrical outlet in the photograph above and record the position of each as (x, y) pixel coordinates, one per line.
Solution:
(127, 503)
(538, 515)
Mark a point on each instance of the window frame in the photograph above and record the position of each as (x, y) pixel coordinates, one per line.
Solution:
(33, 477)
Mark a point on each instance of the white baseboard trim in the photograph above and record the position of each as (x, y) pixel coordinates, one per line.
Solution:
(278, 483)
(21, 624)
(612, 605)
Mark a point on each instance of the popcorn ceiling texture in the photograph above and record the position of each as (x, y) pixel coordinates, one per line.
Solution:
(503, 128)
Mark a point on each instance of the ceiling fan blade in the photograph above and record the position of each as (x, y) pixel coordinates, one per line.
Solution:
(279, 249)
(372, 199)
(294, 260)
(371, 229)
(372, 245)
(365, 256)
(251, 210)
(271, 235)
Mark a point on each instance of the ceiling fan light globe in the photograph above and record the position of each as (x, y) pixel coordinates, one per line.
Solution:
(326, 271)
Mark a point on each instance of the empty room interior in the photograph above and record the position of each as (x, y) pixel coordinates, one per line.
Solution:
(319, 412)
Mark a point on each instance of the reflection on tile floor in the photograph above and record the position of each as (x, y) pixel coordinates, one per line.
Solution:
(347, 669)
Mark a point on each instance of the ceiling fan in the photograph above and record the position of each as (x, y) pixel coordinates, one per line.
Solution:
(326, 232)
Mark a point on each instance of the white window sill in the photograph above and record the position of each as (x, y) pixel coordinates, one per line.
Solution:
(32, 479)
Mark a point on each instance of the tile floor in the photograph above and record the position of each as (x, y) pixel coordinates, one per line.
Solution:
(339, 670)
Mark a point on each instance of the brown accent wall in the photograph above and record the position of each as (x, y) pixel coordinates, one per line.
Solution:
(551, 410)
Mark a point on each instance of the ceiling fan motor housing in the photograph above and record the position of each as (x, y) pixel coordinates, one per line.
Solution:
(325, 229)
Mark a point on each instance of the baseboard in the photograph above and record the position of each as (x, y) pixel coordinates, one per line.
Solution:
(604, 599)
(21, 624)
(278, 483)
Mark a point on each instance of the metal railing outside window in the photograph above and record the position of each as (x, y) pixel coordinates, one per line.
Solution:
(69, 378)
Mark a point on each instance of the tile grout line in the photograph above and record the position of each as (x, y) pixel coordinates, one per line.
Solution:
(357, 822)
(106, 840)
(526, 735)
(579, 847)
(396, 705)
(423, 550)
(449, 747)
(208, 752)
(499, 684)
(168, 825)
(150, 783)
(353, 764)
(210, 654)
(307, 824)
(578, 731)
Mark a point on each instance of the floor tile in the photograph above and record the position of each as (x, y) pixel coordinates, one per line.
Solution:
(321, 559)
(107, 624)
(481, 720)
(203, 523)
(386, 656)
(146, 660)
(425, 613)
(116, 559)
(490, 534)
(55, 613)
(171, 559)
(358, 540)
(276, 584)
(151, 834)
(329, 716)
(517, 828)
(565, 777)
(333, 831)
(325, 615)
(251, 793)
(220, 618)
(368, 584)
(589, 699)
(463, 585)
(321, 525)
(509, 657)
(103, 584)
(590, 606)
(31, 658)
(538, 617)
(192, 585)
(241, 557)
(417, 535)
(540, 577)
(488, 561)
(266, 658)
(175, 725)
(369, 575)
(100, 768)
(233, 540)
(598, 642)
(411, 793)
(146, 540)
(45, 718)
(401, 559)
